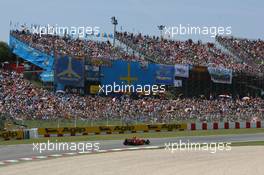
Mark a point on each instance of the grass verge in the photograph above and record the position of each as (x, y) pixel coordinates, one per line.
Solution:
(250, 143)
(142, 135)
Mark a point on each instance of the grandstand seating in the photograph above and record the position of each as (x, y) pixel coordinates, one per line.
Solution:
(250, 51)
(182, 52)
(20, 99)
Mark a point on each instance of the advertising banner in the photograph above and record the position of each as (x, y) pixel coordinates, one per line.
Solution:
(126, 72)
(181, 70)
(164, 74)
(177, 83)
(92, 73)
(69, 71)
(220, 75)
(111, 129)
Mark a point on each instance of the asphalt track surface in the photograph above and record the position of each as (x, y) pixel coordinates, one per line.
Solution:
(244, 160)
(9, 152)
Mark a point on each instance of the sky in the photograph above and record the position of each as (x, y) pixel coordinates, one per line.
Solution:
(244, 16)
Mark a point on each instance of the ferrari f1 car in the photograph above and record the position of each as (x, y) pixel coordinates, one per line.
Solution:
(136, 141)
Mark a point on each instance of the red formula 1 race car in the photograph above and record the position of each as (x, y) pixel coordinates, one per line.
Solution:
(136, 141)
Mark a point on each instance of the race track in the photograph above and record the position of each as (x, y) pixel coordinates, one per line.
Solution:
(239, 161)
(14, 152)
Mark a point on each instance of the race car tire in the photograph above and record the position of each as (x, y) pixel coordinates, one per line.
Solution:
(147, 142)
(126, 142)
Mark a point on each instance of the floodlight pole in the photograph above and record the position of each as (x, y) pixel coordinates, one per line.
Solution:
(114, 22)
(161, 27)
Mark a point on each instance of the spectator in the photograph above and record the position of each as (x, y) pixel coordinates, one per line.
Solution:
(21, 100)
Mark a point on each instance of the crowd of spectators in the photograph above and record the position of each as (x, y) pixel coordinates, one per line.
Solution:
(167, 51)
(76, 47)
(252, 51)
(159, 50)
(22, 100)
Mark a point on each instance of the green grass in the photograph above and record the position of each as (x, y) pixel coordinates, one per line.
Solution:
(250, 143)
(79, 123)
(143, 135)
(68, 123)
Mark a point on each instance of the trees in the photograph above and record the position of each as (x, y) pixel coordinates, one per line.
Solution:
(5, 52)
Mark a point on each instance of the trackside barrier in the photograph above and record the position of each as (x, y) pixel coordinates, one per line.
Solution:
(32, 133)
(225, 125)
(19, 134)
(204, 126)
(248, 125)
(258, 124)
(72, 131)
(8, 135)
(193, 126)
(215, 126)
(237, 125)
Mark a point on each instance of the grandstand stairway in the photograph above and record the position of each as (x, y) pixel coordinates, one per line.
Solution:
(239, 59)
(133, 51)
(34, 56)
(226, 51)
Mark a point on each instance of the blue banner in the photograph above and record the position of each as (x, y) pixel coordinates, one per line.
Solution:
(130, 73)
(69, 71)
(164, 74)
(30, 54)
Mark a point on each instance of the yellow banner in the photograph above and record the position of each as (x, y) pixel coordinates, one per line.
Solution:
(12, 135)
(94, 89)
(112, 129)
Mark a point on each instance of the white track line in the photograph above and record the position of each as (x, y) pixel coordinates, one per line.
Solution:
(70, 154)
(116, 149)
(55, 155)
(5, 162)
(152, 147)
(11, 161)
(26, 159)
(84, 152)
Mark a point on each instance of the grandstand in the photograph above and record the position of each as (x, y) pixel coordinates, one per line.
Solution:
(249, 51)
(205, 84)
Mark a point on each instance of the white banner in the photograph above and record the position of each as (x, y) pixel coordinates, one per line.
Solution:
(177, 83)
(220, 75)
(181, 70)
